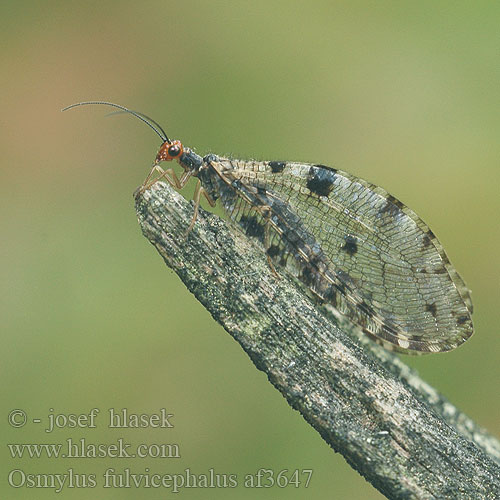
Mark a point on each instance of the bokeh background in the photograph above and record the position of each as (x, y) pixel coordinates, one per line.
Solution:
(404, 94)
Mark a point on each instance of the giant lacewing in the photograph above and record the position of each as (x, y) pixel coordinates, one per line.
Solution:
(357, 248)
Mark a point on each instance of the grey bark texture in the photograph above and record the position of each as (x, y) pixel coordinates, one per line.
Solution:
(398, 432)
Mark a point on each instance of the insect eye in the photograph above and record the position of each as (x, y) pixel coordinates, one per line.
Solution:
(174, 150)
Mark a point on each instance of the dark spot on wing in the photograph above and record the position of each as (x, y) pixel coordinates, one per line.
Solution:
(413, 337)
(283, 258)
(291, 236)
(307, 276)
(462, 319)
(426, 241)
(395, 201)
(430, 270)
(431, 308)
(261, 190)
(252, 226)
(330, 169)
(277, 166)
(317, 261)
(273, 251)
(331, 296)
(392, 206)
(351, 245)
(320, 180)
(278, 253)
(345, 278)
(367, 309)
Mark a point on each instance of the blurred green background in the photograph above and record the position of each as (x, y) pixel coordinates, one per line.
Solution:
(404, 94)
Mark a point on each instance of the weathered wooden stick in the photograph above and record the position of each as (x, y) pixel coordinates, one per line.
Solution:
(393, 428)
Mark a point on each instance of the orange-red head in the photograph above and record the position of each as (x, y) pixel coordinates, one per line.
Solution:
(169, 150)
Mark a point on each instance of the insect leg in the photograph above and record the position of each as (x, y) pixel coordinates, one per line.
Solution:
(208, 198)
(198, 191)
(169, 175)
(145, 185)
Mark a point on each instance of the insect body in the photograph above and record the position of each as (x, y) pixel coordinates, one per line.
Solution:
(357, 248)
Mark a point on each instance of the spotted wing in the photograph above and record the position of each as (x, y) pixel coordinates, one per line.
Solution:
(387, 271)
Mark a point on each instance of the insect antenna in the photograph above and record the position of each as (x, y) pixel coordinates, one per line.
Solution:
(148, 121)
(120, 112)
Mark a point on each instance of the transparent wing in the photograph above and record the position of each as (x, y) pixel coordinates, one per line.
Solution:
(391, 272)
